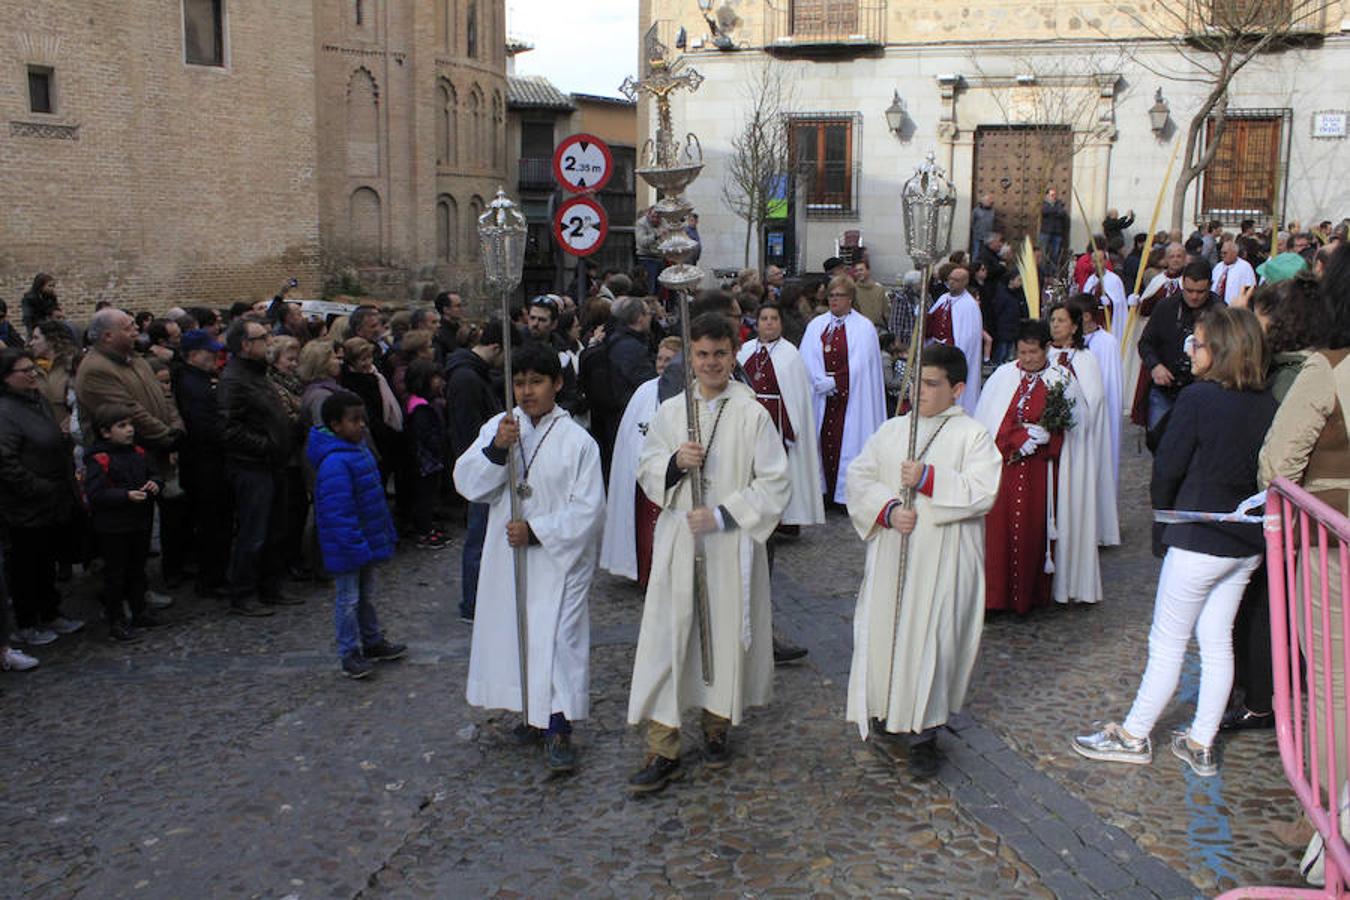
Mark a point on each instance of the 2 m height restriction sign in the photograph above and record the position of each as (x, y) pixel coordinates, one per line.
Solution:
(580, 226)
(582, 163)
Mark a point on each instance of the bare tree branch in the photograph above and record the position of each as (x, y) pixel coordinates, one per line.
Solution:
(758, 167)
(1214, 40)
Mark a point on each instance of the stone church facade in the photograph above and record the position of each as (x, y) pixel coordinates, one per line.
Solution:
(1012, 98)
(203, 151)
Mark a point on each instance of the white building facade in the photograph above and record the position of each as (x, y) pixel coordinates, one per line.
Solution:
(1005, 113)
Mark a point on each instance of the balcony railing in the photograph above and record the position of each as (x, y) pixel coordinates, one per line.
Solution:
(824, 25)
(1255, 17)
(535, 174)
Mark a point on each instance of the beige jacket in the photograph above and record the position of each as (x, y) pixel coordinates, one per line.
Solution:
(1309, 442)
(871, 302)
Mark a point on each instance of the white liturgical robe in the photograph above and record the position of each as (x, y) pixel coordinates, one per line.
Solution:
(563, 509)
(745, 472)
(618, 547)
(941, 611)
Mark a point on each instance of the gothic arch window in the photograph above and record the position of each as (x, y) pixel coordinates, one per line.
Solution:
(475, 210)
(447, 123)
(360, 13)
(447, 221)
(363, 226)
(477, 114)
(471, 30)
(445, 23)
(363, 124)
(498, 127)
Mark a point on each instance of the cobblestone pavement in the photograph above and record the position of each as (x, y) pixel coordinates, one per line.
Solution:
(224, 756)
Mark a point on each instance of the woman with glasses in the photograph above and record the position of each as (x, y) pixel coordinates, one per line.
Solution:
(1206, 462)
(37, 499)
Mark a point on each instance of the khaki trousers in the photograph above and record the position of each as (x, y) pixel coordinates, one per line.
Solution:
(664, 741)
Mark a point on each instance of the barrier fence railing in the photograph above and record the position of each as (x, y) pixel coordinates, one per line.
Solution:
(1308, 567)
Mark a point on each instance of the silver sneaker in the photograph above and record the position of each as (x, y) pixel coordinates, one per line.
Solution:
(1111, 745)
(12, 659)
(64, 625)
(156, 600)
(1200, 760)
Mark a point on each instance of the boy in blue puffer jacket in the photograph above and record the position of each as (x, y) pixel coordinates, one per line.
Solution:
(355, 529)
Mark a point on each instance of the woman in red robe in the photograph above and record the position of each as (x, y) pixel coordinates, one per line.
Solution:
(1018, 552)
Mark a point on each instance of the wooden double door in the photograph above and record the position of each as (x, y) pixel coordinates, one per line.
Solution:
(1017, 165)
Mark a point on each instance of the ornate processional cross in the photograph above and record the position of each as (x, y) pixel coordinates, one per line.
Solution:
(663, 77)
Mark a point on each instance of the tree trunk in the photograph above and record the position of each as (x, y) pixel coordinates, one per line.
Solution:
(749, 230)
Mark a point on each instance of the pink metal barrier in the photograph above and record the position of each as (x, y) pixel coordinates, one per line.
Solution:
(1307, 548)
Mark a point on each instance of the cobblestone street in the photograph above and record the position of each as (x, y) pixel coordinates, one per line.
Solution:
(224, 756)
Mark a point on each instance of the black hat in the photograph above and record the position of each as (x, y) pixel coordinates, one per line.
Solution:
(833, 262)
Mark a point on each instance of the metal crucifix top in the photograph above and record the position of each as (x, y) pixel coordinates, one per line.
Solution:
(662, 77)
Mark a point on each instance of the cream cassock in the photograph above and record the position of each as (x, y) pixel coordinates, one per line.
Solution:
(618, 547)
(807, 505)
(746, 472)
(564, 508)
(942, 610)
(866, 408)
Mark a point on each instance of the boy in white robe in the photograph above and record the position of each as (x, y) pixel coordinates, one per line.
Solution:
(909, 675)
(744, 471)
(562, 504)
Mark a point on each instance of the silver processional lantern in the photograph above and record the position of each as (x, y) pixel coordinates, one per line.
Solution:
(928, 201)
(502, 233)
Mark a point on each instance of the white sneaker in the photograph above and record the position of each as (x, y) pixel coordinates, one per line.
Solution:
(156, 600)
(15, 660)
(34, 637)
(63, 625)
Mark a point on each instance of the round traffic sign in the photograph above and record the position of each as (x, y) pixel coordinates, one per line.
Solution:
(582, 163)
(580, 226)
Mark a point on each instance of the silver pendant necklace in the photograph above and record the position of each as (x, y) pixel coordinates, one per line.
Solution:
(523, 489)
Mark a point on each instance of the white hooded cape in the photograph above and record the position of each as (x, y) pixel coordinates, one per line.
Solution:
(807, 505)
(563, 511)
(866, 408)
(618, 547)
(941, 615)
(1106, 350)
(1113, 292)
(968, 333)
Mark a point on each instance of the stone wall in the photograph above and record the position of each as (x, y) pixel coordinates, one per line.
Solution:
(154, 182)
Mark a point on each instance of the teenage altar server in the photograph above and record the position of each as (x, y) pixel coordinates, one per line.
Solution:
(743, 470)
(630, 518)
(562, 499)
(782, 386)
(910, 675)
(843, 357)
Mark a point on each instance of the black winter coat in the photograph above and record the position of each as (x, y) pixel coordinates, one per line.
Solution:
(630, 364)
(203, 449)
(1206, 462)
(37, 464)
(256, 427)
(110, 471)
(1164, 337)
(469, 398)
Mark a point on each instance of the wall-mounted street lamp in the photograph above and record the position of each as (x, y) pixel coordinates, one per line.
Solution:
(1158, 113)
(895, 115)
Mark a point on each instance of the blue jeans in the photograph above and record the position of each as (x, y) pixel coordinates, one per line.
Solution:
(1003, 351)
(1052, 246)
(1159, 405)
(354, 611)
(472, 558)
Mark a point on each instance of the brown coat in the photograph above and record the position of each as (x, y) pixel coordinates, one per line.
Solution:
(104, 378)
